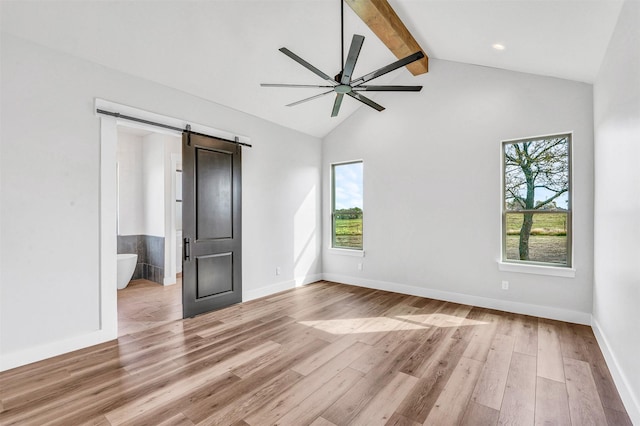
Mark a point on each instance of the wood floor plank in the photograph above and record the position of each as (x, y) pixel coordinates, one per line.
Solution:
(345, 409)
(163, 396)
(393, 319)
(451, 404)
(279, 405)
(490, 388)
(398, 419)
(231, 406)
(418, 363)
(320, 421)
(550, 363)
(482, 337)
(312, 406)
(552, 406)
(72, 391)
(144, 304)
(570, 342)
(19, 389)
(383, 405)
(325, 354)
(98, 421)
(526, 335)
(518, 404)
(617, 418)
(479, 415)
(178, 405)
(235, 402)
(427, 390)
(584, 403)
(176, 420)
(604, 382)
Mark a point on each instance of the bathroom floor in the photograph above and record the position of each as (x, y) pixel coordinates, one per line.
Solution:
(145, 304)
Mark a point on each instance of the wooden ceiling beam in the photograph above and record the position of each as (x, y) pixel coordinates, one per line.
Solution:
(385, 23)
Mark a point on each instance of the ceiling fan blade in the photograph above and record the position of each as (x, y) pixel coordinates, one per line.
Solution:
(292, 85)
(307, 65)
(309, 99)
(336, 104)
(352, 57)
(391, 67)
(366, 101)
(387, 88)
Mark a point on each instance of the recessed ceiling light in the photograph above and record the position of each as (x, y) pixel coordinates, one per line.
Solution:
(498, 46)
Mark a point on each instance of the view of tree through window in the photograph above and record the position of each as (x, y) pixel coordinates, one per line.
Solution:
(537, 210)
(347, 205)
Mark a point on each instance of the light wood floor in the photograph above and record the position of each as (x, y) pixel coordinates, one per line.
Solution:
(145, 304)
(327, 354)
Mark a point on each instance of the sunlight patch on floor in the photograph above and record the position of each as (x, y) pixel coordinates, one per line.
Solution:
(384, 324)
(440, 320)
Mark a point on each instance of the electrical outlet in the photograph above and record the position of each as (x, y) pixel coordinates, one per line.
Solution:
(278, 270)
(360, 266)
(505, 285)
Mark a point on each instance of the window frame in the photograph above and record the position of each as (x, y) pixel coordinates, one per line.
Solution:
(569, 211)
(332, 206)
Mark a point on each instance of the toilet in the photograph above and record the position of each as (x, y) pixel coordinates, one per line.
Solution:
(126, 267)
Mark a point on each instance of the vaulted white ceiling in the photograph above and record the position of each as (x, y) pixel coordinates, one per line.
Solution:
(222, 50)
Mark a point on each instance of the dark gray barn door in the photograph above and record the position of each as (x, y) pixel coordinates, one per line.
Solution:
(211, 192)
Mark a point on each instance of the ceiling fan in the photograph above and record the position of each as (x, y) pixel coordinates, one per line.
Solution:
(343, 84)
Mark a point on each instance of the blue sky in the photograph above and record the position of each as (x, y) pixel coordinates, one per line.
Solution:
(544, 194)
(348, 185)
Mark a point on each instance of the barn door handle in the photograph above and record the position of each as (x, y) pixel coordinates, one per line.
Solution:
(187, 249)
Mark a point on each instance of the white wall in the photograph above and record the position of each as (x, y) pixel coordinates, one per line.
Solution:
(172, 150)
(432, 187)
(130, 192)
(50, 195)
(153, 183)
(616, 297)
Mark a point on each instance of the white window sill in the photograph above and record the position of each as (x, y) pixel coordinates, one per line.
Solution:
(346, 252)
(554, 271)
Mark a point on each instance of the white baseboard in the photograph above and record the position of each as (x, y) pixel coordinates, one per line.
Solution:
(483, 302)
(278, 287)
(38, 353)
(630, 400)
(307, 279)
(267, 290)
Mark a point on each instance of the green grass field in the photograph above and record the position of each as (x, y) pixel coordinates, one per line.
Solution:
(349, 233)
(548, 240)
(550, 224)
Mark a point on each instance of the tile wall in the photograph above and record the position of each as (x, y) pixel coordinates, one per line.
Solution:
(150, 251)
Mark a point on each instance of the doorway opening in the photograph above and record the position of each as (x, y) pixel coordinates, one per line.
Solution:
(149, 225)
(111, 116)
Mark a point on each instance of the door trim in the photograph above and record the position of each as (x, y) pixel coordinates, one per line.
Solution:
(108, 314)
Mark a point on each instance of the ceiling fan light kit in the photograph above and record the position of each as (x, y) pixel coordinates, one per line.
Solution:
(343, 83)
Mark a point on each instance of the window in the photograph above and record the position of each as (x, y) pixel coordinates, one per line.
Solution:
(346, 205)
(536, 218)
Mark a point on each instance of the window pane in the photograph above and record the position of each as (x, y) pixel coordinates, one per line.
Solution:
(347, 206)
(537, 237)
(537, 201)
(536, 174)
